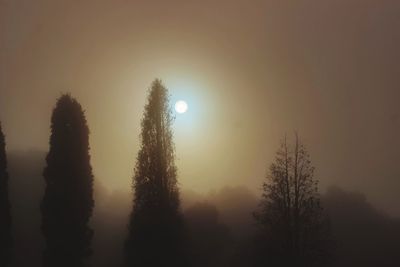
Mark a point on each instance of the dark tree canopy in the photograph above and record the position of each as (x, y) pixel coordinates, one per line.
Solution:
(155, 229)
(295, 229)
(5, 216)
(209, 239)
(68, 200)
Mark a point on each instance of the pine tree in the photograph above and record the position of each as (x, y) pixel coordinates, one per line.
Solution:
(68, 200)
(5, 216)
(155, 229)
(295, 228)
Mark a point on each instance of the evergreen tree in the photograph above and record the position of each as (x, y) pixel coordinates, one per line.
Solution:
(68, 200)
(155, 229)
(295, 229)
(5, 216)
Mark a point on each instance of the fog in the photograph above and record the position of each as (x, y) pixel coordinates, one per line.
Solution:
(219, 224)
(250, 71)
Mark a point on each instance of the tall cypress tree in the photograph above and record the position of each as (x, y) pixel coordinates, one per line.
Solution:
(155, 229)
(5, 216)
(68, 200)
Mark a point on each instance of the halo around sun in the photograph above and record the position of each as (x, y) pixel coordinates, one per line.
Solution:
(181, 106)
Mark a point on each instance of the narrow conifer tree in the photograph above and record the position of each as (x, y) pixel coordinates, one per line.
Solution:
(68, 200)
(155, 229)
(5, 216)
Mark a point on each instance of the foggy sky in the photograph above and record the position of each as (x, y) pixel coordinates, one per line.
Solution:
(250, 70)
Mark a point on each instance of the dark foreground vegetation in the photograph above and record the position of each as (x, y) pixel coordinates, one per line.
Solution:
(60, 216)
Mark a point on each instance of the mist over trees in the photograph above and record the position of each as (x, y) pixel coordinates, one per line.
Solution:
(209, 238)
(5, 216)
(236, 205)
(295, 229)
(109, 222)
(26, 192)
(156, 225)
(364, 235)
(213, 229)
(68, 199)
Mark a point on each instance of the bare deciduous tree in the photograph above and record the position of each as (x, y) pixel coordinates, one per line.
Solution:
(295, 229)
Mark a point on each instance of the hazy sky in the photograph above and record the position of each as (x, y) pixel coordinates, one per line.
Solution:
(251, 71)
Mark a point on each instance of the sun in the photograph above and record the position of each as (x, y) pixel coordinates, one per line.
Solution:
(181, 106)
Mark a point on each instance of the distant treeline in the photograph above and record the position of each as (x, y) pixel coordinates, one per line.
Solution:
(289, 226)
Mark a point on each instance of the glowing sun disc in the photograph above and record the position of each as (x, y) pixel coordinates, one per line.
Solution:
(181, 106)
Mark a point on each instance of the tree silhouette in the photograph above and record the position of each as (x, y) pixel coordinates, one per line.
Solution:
(209, 238)
(68, 200)
(295, 229)
(156, 224)
(5, 216)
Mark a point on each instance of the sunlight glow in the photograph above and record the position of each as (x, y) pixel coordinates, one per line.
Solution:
(181, 106)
